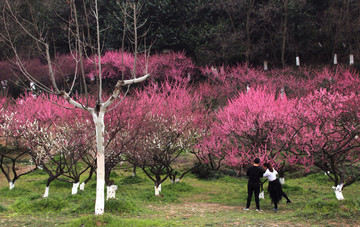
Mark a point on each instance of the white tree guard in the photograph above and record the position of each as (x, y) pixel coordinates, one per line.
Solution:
(338, 192)
(266, 68)
(46, 194)
(335, 59)
(133, 174)
(262, 195)
(157, 191)
(75, 188)
(247, 88)
(351, 59)
(111, 191)
(282, 180)
(11, 185)
(297, 61)
(82, 186)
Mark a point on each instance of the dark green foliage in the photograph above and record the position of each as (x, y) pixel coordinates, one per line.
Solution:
(204, 172)
(113, 174)
(132, 180)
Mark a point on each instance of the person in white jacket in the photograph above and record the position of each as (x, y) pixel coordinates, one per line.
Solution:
(274, 188)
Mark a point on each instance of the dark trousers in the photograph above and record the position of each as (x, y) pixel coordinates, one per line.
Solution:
(253, 188)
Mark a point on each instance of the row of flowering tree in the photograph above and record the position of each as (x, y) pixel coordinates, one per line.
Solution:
(150, 129)
(320, 129)
(155, 124)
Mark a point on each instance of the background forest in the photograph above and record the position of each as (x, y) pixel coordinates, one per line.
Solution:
(218, 31)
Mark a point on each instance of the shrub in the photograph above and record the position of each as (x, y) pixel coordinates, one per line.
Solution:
(204, 172)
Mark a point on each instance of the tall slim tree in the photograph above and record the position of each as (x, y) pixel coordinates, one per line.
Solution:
(78, 35)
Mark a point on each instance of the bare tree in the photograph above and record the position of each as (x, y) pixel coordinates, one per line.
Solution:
(79, 42)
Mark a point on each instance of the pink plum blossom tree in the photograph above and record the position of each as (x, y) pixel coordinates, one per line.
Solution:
(328, 132)
(167, 130)
(255, 124)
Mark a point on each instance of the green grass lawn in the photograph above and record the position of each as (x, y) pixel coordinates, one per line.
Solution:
(192, 202)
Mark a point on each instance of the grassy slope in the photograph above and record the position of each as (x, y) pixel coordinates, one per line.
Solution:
(192, 202)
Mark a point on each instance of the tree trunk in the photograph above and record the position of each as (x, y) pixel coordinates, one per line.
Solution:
(82, 186)
(248, 38)
(98, 117)
(284, 33)
(75, 188)
(338, 191)
(46, 194)
(157, 189)
(351, 59)
(335, 59)
(11, 185)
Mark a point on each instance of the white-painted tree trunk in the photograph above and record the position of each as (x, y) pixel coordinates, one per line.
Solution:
(157, 191)
(282, 180)
(338, 192)
(46, 194)
(297, 61)
(100, 158)
(75, 188)
(282, 92)
(133, 174)
(11, 185)
(247, 88)
(335, 59)
(351, 59)
(262, 195)
(111, 191)
(82, 186)
(266, 65)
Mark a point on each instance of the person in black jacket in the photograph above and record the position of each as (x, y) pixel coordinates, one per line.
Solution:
(254, 173)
